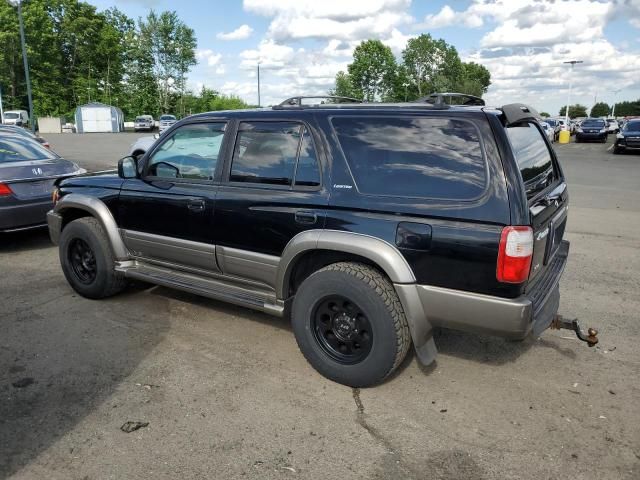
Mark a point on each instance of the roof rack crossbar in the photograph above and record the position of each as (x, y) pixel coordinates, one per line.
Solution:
(297, 101)
(439, 99)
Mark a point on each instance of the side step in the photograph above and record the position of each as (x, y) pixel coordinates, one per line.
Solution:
(230, 292)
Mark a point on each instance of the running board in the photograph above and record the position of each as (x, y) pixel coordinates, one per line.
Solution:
(207, 287)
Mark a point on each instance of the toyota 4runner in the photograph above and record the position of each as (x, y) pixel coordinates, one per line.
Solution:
(368, 225)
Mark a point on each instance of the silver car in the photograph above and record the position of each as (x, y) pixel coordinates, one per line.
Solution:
(144, 122)
(166, 121)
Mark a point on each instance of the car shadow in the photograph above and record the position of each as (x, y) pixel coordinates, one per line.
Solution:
(25, 240)
(62, 356)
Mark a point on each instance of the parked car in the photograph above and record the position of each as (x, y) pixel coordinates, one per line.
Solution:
(166, 121)
(629, 137)
(25, 133)
(27, 173)
(144, 122)
(612, 126)
(15, 117)
(549, 131)
(141, 145)
(367, 225)
(553, 123)
(592, 129)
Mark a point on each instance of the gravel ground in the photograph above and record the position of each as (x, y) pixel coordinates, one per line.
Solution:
(227, 394)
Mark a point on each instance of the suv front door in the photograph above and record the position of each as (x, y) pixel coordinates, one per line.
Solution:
(274, 190)
(167, 214)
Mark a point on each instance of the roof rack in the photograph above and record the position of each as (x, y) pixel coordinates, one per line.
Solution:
(297, 101)
(440, 99)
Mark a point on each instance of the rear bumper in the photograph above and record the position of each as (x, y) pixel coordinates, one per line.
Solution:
(591, 136)
(514, 318)
(24, 215)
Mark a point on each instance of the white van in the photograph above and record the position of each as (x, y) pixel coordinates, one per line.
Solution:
(15, 117)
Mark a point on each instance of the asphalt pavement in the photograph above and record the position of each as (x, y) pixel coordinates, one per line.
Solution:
(226, 394)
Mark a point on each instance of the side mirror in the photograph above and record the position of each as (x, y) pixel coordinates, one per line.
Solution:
(127, 167)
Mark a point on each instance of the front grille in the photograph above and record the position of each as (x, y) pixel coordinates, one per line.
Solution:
(546, 282)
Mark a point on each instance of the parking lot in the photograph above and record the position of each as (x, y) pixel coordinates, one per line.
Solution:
(227, 394)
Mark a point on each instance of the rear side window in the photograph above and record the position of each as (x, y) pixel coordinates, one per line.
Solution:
(413, 157)
(275, 153)
(532, 156)
(20, 149)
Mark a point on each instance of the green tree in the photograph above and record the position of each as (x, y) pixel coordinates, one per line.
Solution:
(627, 108)
(600, 109)
(372, 71)
(544, 114)
(344, 87)
(172, 45)
(576, 110)
(432, 65)
(475, 79)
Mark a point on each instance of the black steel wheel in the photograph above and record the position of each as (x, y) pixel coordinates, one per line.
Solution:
(87, 260)
(82, 260)
(349, 324)
(342, 329)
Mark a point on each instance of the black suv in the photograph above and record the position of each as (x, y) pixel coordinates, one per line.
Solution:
(367, 224)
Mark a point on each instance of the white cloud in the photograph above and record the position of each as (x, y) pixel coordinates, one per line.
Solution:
(240, 33)
(447, 17)
(209, 56)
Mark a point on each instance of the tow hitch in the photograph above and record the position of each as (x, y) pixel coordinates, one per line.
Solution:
(559, 322)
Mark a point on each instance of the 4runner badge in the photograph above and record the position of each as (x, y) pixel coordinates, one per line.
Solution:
(345, 187)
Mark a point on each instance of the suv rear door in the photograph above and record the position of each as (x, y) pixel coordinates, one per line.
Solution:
(545, 189)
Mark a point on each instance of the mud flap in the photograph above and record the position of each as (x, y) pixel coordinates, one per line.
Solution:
(420, 327)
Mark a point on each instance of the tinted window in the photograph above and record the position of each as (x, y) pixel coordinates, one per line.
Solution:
(533, 157)
(167, 117)
(413, 157)
(593, 123)
(190, 152)
(632, 127)
(307, 171)
(551, 122)
(18, 149)
(266, 152)
(11, 115)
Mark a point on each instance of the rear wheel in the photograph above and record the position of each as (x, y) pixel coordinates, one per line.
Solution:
(617, 150)
(87, 261)
(350, 324)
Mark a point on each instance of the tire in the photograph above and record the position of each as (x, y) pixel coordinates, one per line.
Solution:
(365, 302)
(87, 260)
(617, 150)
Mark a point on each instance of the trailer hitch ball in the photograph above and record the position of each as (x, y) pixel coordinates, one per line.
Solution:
(559, 322)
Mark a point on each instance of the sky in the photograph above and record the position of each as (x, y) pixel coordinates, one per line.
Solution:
(302, 44)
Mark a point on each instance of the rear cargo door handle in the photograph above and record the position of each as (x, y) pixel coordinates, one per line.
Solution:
(305, 217)
(196, 205)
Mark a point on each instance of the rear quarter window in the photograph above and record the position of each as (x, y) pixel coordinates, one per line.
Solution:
(422, 157)
(532, 156)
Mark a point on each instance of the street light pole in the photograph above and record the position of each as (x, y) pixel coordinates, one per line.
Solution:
(258, 84)
(566, 113)
(615, 95)
(26, 67)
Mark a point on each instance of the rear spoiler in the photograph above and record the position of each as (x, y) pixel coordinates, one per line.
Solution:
(518, 112)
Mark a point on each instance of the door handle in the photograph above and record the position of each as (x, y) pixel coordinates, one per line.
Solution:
(305, 217)
(196, 205)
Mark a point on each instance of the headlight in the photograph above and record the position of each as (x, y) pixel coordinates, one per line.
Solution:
(579, 130)
(604, 130)
(620, 136)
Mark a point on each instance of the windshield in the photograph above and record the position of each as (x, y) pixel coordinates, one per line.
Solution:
(167, 117)
(632, 126)
(141, 119)
(19, 149)
(551, 122)
(11, 115)
(593, 123)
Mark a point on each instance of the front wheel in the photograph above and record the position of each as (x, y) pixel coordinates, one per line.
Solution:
(350, 325)
(87, 260)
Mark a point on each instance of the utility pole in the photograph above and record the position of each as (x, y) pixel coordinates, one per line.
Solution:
(32, 120)
(1, 111)
(566, 113)
(258, 84)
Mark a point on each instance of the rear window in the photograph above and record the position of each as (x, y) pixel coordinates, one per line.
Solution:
(593, 123)
(532, 156)
(19, 149)
(413, 157)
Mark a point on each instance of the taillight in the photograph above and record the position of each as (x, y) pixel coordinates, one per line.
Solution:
(5, 190)
(514, 255)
